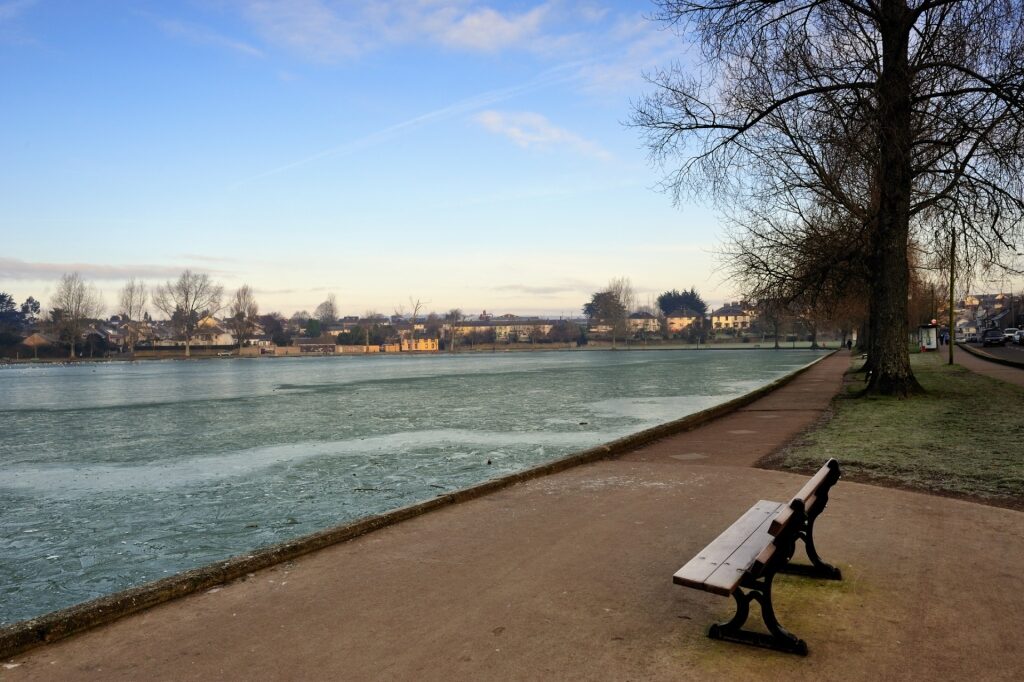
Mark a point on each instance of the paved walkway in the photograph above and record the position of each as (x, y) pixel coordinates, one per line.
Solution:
(1013, 375)
(569, 577)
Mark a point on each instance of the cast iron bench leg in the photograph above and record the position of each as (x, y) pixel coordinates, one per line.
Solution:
(818, 568)
(780, 639)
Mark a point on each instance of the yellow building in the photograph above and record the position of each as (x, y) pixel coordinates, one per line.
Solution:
(731, 316)
(419, 345)
(682, 320)
(643, 322)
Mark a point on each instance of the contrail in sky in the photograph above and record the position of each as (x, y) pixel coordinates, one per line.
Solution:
(559, 74)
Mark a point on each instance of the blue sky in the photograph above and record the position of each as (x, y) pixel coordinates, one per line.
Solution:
(469, 154)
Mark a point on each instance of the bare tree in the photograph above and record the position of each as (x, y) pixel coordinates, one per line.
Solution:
(415, 306)
(185, 298)
(327, 312)
(72, 305)
(622, 289)
(892, 111)
(811, 265)
(452, 318)
(242, 314)
(132, 306)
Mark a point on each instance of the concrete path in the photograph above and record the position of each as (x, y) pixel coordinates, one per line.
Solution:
(569, 577)
(1013, 375)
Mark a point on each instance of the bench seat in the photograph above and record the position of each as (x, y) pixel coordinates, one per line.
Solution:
(720, 566)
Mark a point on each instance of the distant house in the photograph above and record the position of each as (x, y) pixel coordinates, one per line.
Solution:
(683, 319)
(643, 322)
(137, 331)
(731, 316)
(996, 320)
(210, 332)
(112, 337)
(507, 328)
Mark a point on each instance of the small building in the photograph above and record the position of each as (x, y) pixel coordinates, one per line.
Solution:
(419, 345)
(38, 340)
(643, 322)
(681, 320)
(731, 316)
(212, 336)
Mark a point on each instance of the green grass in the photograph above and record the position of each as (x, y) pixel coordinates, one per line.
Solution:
(964, 438)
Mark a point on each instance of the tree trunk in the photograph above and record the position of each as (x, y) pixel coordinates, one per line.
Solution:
(188, 346)
(862, 337)
(888, 355)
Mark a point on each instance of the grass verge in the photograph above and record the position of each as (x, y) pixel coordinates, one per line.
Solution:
(963, 438)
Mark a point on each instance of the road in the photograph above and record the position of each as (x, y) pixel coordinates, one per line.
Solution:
(1010, 351)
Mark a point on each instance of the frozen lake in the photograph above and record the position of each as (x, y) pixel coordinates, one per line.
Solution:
(116, 474)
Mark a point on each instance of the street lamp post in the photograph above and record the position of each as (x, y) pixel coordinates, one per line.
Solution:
(952, 282)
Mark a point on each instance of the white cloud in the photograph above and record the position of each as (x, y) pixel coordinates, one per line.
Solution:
(12, 268)
(331, 30)
(11, 29)
(642, 45)
(14, 8)
(489, 31)
(310, 27)
(205, 36)
(531, 130)
(617, 45)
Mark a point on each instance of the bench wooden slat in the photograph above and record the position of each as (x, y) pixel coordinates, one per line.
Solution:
(783, 517)
(812, 485)
(807, 495)
(720, 566)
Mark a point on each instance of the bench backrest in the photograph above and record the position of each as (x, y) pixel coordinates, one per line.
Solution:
(812, 497)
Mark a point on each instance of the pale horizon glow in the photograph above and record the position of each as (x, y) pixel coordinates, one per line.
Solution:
(471, 155)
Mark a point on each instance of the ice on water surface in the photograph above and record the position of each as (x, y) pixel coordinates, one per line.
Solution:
(116, 474)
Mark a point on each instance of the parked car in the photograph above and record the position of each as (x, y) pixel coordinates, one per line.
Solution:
(1018, 338)
(1010, 334)
(993, 337)
(972, 337)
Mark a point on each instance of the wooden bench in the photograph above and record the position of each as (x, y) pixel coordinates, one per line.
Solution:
(752, 550)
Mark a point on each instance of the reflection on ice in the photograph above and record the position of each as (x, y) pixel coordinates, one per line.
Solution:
(653, 411)
(58, 481)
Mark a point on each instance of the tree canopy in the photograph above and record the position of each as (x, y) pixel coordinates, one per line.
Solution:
(873, 123)
(675, 301)
(186, 299)
(73, 304)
